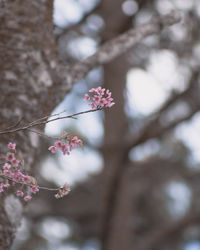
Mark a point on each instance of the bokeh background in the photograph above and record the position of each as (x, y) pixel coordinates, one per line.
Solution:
(136, 182)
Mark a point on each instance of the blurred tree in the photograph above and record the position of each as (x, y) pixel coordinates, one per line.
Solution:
(130, 204)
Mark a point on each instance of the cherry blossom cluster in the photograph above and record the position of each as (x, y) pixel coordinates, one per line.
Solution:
(11, 164)
(64, 190)
(66, 147)
(100, 98)
(11, 174)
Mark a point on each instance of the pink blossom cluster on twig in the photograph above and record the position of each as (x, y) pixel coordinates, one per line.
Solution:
(64, 190)
(11, 172)
(66, 147)
(101, 98)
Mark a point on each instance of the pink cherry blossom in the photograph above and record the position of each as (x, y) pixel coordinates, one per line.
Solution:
(26, 179)
(52, 149)
(100, 91)
(75, 142)
(34, 189)
(58, 144)
(65, 149)
(6, 166)
(27, 198)
(6, 185)
(10, 157)
(93, 90)
(14, 175)
(96, 99)
(87, 97)
(15, 162)
(17, 175)
(1, 188)
(7, 173)
(93, 105)
(20, 193)
(11, 145)
(64, 190)
(101, 98)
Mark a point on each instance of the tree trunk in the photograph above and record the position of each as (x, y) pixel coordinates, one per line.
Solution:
(27, 52)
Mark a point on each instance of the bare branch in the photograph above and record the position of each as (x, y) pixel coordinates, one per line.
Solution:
(158, 236)
(76, 26)
(117, 46)
(27, 184)
(154, 129)
(43, 121)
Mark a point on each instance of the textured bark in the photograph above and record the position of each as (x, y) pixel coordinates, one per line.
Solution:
(115, 133)
(26, 41)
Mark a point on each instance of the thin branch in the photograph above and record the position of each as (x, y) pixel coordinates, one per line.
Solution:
(46, 117)
(158, 236)
(43, 121)
(76, 26)
(107, 53)
(28, 184)
(154, 129)
(119, 45)
(15, 125)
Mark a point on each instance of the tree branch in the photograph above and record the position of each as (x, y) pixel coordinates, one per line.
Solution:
(158, 236)
(43, 121)
(155, 129)
(117, 46)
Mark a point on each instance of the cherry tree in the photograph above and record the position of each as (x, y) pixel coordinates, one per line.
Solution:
(34, 80)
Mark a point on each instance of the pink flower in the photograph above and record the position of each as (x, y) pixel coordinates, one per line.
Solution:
(15, 162)
(87, 97)
(10, 157)
(34, 189)
(75, 142)
(65, 149)
(93, 105)
(64, 190)
(17, 175)
(100, 91)
(1, 188)
(97, 99)
(102, 102)
(6, 185)
(20, 193)
(58, 144)
(101, 98)
(11, 145)
(26, 179)
(52, 149)
(6, 166)
(108, 93)
(7, 173)
(110, 104)
(93, 90)
(27, 198)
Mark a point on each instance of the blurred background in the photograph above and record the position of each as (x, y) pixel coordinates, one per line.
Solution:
(136, 182)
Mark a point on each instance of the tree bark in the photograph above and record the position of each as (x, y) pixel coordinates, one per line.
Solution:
(27, 51)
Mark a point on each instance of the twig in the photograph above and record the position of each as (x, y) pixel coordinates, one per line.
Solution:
(28, 184)
(43, 121)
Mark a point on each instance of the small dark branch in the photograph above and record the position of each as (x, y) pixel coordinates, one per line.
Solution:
(118, 46)
(28, 184)
(175, 97)
(77, 25)
(43, 121)
(158, 236)
(154, 129)
(15, 125)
